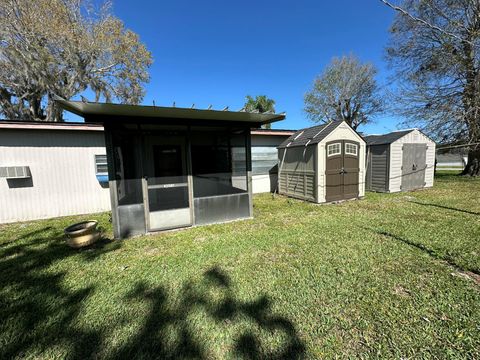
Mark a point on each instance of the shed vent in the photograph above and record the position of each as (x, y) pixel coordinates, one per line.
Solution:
(15, 172)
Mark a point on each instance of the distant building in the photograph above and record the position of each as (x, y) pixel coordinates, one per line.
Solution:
(451, 160)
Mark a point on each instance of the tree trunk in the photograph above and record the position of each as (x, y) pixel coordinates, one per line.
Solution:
(471, 98)
(35, 108)
(54, 113)
(473, 164)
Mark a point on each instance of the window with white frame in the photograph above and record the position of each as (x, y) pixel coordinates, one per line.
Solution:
(101, 167)
(351, 149)
(334, 149)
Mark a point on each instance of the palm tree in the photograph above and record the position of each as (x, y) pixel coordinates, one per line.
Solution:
(261, 103)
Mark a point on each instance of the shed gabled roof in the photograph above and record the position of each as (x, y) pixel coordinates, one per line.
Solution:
(386, 138)
(311, 135)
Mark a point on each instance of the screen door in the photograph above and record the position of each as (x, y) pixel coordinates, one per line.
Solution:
(167, 198)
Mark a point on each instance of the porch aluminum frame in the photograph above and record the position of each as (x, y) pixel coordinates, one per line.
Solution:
(132, 219)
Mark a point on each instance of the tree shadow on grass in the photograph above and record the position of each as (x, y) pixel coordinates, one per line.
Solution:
(25, 236)
(37, 312)
(431, 252)
(445, 207)
(163, 321)
(41, 316)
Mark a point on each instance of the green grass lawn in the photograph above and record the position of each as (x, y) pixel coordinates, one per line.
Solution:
(392, 276)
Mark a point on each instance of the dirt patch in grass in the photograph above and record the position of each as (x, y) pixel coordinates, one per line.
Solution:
(468, 275)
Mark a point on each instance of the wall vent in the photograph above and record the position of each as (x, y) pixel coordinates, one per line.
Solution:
(15, 172)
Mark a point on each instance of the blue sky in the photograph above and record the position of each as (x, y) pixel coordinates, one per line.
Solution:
(216, 52)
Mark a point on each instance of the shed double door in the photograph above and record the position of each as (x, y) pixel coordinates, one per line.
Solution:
(414, 163)
(342, 170)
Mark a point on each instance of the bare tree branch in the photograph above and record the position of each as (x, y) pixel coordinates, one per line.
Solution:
(422, 21)
(346, 90)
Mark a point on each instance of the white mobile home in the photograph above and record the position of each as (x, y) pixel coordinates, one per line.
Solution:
(323, 163)
(59, 169)
(400, 161)
(51, 169)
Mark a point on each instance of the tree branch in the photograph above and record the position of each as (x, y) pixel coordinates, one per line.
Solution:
(426, 23)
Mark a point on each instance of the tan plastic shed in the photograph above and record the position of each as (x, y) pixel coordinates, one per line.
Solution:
(323, 163)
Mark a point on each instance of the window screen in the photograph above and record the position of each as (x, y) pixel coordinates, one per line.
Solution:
(101, 166)
(334, 149)
(351, 149)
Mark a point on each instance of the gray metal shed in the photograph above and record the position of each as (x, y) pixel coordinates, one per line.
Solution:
(400, 161)
(322, 163)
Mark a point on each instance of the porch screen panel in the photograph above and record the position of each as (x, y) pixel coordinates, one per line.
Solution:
(219, 163)
(219, 169)
(127, 156)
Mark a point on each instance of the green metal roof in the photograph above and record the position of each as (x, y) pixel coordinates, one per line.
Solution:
(97, 110)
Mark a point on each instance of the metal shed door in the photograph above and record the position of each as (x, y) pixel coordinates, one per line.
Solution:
(413, 166)
(342, 170)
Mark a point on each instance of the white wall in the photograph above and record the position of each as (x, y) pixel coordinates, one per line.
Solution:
(396, 159)
(62, 164)
(342, 132)
(264, 183)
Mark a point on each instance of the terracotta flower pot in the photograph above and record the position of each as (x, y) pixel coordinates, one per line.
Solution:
(82, 234)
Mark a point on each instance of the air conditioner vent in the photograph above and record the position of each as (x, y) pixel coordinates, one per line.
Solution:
(15, 172)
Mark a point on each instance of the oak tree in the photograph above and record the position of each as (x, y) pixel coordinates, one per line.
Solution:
(63, 47)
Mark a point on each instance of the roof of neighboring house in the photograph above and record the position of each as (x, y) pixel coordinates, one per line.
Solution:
(41, 125)
(44, 125)
(272, 132)
(89, 110)
(386, 138)
(311, 135)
